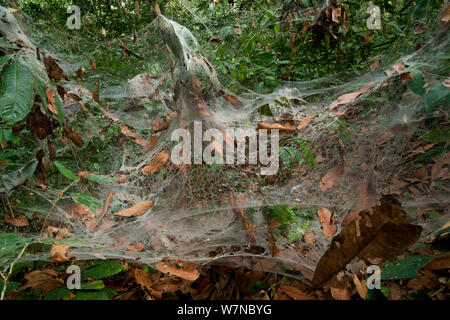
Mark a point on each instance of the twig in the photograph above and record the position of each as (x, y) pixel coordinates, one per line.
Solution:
(55, 202)
(2, 297)
(8, 204)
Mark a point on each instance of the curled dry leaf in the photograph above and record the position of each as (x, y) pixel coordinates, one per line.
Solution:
(61, 233)
(136, 210)
(327, 222)
(93, 66)
(143, 279)
(384, 233)
(331, 177)
(399, 67)
(82, 212)
(46, 280)
(50, 94)
(179, 268)
(340, 293)
(233, 100)
(138, 247)
(288, 128)
(61, 253)
(305, 121)
(350, 97)
(295, 293)
(18, 220)
(160, 161)
(309, 238)
(360, 286)
(135, 137)
(75, 137)
(95, 92)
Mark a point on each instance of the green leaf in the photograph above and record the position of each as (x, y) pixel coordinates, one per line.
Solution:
(436, 136)
(102, 271)
(90, 202)
(4, 59)
(435, 96)
(99, 178)
(416, 83)
(58, 294)
(93, 285)
(10, 286)
(403, 269)
(69, 174)
(10, 246)
(17, 94)
(17, 177)
(91, 295)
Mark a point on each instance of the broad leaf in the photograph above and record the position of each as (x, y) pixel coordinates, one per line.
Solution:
(16, 98)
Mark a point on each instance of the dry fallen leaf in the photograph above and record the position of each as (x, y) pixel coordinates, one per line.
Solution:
(295, 293)
(384, 234)
(305, 121)
(360, 286)
(138, 247)
(331, 177)
(350, 97)
(75, 137)
(18, 220)
(50, 94)
(143, 279)
(136, 210)
(309, 238)
(233, 100)
(95, 93)
(340, 294)
(46, 280)
(160, 161)
(179, 268)
(288, 128)
(60, 253)
(83, 213)
(327, 221)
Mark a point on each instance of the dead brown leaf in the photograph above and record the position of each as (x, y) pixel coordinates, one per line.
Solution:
(350, 97)
(179, 268)
(95, 92)
(288, 128)
(18, 220)
(233, 100)
(160, 161)
(136, 210)
(331, 177)
(75, 137)
(51, 100)
(46, 280)
(327, 221)
(305, 121)
(61, 253)
(138, 247)
(384, 234)
(146, 282)
(360, 286)
(295, 293)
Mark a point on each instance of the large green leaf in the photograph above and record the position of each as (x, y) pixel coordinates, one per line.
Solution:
(69, 174)
(17, 177)
(435, 96)
(16, 98)
(416, 83)
(403, 269)
(102, 271)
